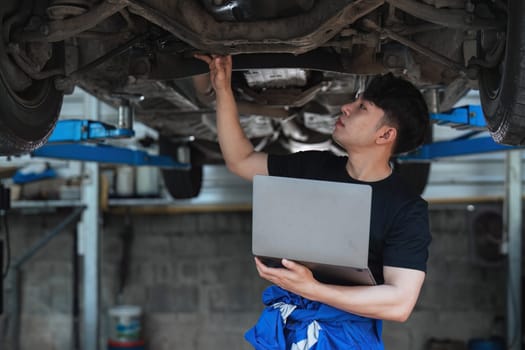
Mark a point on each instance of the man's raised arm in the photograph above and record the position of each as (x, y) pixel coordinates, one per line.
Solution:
(237, 150)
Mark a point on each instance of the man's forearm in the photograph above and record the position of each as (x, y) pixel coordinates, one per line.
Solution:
(235, 146)
(380, 302)
(393, 300)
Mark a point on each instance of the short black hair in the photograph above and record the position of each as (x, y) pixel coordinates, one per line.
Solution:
(405, 109)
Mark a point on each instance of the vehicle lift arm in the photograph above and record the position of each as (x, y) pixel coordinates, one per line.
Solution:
(468, 117)
(80, 139)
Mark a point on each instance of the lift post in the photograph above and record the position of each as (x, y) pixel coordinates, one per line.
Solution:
(512, 248)
(471, 117)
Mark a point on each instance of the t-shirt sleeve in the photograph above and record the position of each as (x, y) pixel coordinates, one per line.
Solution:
(406, 243)
(300, 164)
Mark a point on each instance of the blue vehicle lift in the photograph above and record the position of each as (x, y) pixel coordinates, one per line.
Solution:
(79, 130)
(456, 147)
(80, 139)
(467, 117)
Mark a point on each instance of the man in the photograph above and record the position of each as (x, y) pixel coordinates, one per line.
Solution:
(390, 117)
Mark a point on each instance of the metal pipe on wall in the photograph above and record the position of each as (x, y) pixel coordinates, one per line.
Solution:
(13, 285)
(88, 230)
(513, 205)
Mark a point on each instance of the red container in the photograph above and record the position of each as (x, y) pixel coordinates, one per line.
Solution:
(126, 345)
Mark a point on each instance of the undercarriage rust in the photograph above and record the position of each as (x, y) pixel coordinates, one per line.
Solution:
(187, 20)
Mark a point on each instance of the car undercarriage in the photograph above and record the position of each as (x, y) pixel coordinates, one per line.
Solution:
(295, 63)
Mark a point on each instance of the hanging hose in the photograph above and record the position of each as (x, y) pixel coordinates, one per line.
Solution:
(127, 241)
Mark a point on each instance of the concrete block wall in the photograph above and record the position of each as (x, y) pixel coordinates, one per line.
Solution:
(461, 299)
(194, 277)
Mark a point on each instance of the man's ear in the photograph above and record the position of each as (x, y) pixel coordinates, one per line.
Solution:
(386, 135)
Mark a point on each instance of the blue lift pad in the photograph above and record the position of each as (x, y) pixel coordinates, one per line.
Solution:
(20, 178)
(470, 117)
(78, 130)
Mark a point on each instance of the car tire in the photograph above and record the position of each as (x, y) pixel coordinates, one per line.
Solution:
(29, 115)
(502, 88)
(181, 184)
(25, 126)
(414, 174)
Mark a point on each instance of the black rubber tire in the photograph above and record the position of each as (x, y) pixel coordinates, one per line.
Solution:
(181, 184)
(23, 126)
(502, 89)
(415, 174)
(28, 117)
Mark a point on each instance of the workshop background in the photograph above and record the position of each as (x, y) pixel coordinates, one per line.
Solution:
(194, 277)
(187, 264)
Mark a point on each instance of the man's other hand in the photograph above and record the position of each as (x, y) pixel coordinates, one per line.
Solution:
(294, 277)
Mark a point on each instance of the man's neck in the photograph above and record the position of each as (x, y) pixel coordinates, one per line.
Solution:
(368, 167)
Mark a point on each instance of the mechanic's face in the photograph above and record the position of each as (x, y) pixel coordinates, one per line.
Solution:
(359, 125)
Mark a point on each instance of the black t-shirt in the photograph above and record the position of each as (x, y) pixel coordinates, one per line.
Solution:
(399, 229)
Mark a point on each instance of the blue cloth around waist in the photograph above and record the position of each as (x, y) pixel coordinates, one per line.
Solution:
(291, 322)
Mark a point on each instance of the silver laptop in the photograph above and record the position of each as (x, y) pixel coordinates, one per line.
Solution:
(321, 224)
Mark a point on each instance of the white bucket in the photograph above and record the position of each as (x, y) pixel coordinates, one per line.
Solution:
(125, 323)
(125, 184)
(147, 181)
